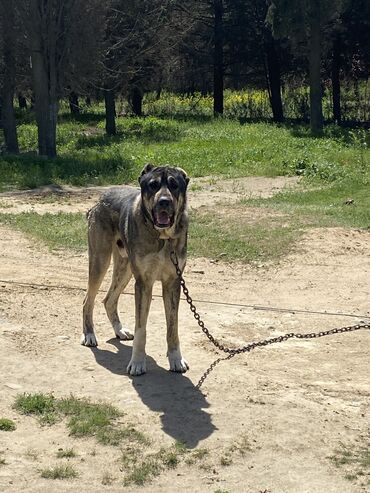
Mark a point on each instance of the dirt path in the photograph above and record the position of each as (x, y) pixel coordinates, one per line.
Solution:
(291, 405)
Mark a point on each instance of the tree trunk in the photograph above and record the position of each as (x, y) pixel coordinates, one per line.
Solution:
(218, 60)
(46, 106)
(7, 94)
(43, 35)
(110, 112)
(73, 104)
(137, 101)
(335, 81)
(316, 118)
(273, 77)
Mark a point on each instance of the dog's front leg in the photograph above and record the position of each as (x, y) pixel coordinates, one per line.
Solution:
(171, 298)
(143, 297)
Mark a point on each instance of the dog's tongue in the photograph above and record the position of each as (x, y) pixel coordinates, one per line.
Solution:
(163, 219)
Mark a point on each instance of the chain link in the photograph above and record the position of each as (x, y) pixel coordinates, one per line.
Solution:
(249, 347)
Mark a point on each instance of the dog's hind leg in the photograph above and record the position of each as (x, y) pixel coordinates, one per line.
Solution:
(171, 299)
(120, 278)
(100, 251)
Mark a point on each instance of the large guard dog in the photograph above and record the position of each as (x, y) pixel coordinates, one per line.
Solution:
(140, 227)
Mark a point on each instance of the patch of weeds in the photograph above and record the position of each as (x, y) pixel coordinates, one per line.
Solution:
(32, 454)
(60, 472)
(107, 479)
(110, 435)
(41, 405)
(152, 464)
(5, 205)
(240, 447)
(61, 230)
(221, 491)
(234, 234)
(2, 460)
(7, 424)
(354, 458)
(84, 418)
(146, 470)
(226, 460)
(68, 453)
(197, 455)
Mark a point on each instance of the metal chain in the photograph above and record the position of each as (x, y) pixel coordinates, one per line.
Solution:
(249, 347)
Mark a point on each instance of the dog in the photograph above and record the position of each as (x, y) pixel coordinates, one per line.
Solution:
(139, 228)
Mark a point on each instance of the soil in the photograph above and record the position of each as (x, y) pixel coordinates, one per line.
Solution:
(292, 404)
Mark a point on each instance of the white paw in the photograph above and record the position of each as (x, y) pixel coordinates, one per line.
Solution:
(136, 367)
(177, 362)
(123, 335)
(89, 339)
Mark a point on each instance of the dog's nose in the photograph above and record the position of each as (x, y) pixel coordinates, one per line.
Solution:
(164, 202)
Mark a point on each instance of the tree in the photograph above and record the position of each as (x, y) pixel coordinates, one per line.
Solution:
(57, 31)
(8, 75)
(303, 23)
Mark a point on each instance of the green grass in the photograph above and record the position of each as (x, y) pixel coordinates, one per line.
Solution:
(62, 230)
(60, 472)
(144, 468)
(84, 418)
(254, 230)
(343, 204)
(7, 424)
(66, 453)
(202, 147)
(354, 459)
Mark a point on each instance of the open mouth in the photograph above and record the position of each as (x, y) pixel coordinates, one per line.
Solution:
(162, 219)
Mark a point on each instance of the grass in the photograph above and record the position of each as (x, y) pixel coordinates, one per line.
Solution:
(342, 204)
(252, 231)
(7, 424)
(66, 453)
(143, 469)
(84, 418)
(355, 459)
(335, 168)
(62, 230)
(202, 147)
(239, 447)
(60, 472)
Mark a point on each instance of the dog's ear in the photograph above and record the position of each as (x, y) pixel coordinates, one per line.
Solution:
(148, 167)
(184, 175)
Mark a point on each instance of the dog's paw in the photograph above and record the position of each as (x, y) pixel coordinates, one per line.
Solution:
(177, 362)
(136, 367)
(123, 335)
(89, 339)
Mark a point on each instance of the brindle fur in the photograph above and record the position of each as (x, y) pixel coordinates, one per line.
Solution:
(123, 225)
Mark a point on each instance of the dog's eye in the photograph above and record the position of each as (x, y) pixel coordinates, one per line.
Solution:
(173, 184)
(154, 185)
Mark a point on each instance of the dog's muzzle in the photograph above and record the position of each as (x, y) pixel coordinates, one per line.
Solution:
(163, 213)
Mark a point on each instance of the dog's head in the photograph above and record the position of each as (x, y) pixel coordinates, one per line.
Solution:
(163, 191)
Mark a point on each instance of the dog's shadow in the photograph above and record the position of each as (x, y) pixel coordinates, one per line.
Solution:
(174, 395)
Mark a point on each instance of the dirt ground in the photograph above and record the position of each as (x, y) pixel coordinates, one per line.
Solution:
(293, 403)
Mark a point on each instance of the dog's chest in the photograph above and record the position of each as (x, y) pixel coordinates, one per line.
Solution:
(156, 266)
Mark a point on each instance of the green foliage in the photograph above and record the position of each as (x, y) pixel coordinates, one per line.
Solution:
(66, 453)
(151, 465)
(200, 144)
(343, 204)
(60, 472)
(7, 424)
(84, 418)
(38, 404)
(354, 459)
(56, 230)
